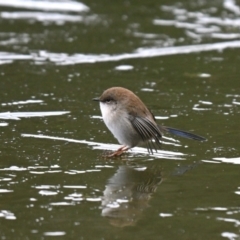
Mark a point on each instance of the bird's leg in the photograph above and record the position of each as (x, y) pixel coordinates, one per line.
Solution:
(119, 152)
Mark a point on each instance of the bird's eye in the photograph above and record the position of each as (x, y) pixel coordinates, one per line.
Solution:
(107, 100)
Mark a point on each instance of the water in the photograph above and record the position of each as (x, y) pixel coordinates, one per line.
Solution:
(180, 58)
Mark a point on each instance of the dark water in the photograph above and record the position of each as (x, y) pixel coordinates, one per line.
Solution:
(181, 58)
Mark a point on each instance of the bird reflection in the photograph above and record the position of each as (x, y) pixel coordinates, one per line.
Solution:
(127, 194)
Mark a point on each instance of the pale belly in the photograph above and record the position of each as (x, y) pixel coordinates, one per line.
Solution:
(120, 126)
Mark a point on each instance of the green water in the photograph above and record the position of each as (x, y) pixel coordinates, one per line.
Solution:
(55, 182)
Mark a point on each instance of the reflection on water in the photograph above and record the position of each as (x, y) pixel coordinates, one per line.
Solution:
(201, 25)
(225, 160)
(114, 147)
(180, 170)
(128, 192)
(43, 57)
(19, 115)
(7, 215)
(46, 5)
(42, 17)
(198, 28)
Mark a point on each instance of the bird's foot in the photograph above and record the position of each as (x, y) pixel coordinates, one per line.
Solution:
(118, 153)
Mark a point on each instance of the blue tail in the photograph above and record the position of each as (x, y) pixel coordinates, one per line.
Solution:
(183, 133)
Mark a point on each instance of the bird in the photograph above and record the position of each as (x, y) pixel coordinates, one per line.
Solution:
(132, 123)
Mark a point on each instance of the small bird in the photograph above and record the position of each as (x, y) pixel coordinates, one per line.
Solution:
(131, 122)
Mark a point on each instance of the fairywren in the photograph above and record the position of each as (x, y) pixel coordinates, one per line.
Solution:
(131, 122)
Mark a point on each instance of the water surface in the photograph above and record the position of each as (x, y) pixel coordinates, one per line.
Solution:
(180, 58)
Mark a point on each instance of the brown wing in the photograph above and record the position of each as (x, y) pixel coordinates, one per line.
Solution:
(148, 131)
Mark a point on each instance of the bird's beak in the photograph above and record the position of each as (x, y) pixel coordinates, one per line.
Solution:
(96, 99)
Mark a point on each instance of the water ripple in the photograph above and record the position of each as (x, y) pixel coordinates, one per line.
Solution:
(44, 57)
(19, 115)
(114, 147)
(46, 5)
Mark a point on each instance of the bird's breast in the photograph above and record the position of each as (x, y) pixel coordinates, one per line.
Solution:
(119, 124)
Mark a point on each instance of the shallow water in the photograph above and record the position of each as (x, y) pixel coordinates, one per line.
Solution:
(181, 59)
